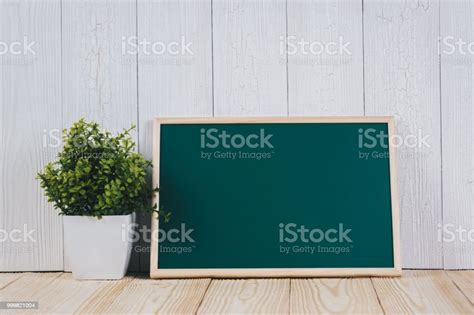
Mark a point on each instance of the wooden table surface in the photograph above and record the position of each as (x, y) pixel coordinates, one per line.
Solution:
(417, 291)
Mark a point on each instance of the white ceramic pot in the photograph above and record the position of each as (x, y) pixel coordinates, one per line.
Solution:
(98, 248)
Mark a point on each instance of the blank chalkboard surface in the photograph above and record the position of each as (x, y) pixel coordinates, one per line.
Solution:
(275, 197)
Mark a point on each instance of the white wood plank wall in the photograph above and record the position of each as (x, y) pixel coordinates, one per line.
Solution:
(457, 117)
(402, 80)
(30, 96)
(240, 58)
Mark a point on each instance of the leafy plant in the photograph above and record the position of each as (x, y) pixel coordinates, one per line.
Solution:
(98, 174)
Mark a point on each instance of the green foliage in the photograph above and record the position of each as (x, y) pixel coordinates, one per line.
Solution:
(97, 174)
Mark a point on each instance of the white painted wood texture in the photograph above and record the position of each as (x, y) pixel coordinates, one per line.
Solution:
(30, 96)
(457, 87)
(99, 77)
(99, 72)
(402, 80)
(329, 81)
(249, 76)
(237, 65)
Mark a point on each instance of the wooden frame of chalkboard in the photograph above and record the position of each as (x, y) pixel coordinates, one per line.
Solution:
(156, 272)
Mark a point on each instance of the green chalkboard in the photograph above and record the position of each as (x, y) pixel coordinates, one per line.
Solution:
(275, 197)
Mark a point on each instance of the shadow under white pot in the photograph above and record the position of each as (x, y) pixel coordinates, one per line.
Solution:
(98, 249)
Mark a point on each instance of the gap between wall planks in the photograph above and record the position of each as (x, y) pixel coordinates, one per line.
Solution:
(238, 70)
(418, 291)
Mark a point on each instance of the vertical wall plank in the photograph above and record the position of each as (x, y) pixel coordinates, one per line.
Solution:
(249, 70)
(173, 82)
(457, 131)
(99, 76)
(30, 100)
(325, 75)
(402, 80)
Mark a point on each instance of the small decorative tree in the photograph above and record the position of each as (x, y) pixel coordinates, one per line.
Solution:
(98, 174)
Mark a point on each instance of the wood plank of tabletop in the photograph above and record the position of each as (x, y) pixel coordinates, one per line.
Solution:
(257, 296)
(328, 296)
(8, 278)
(464, 280)
(24, 286)
(150, 296)
(421, 292)
(59, 293)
